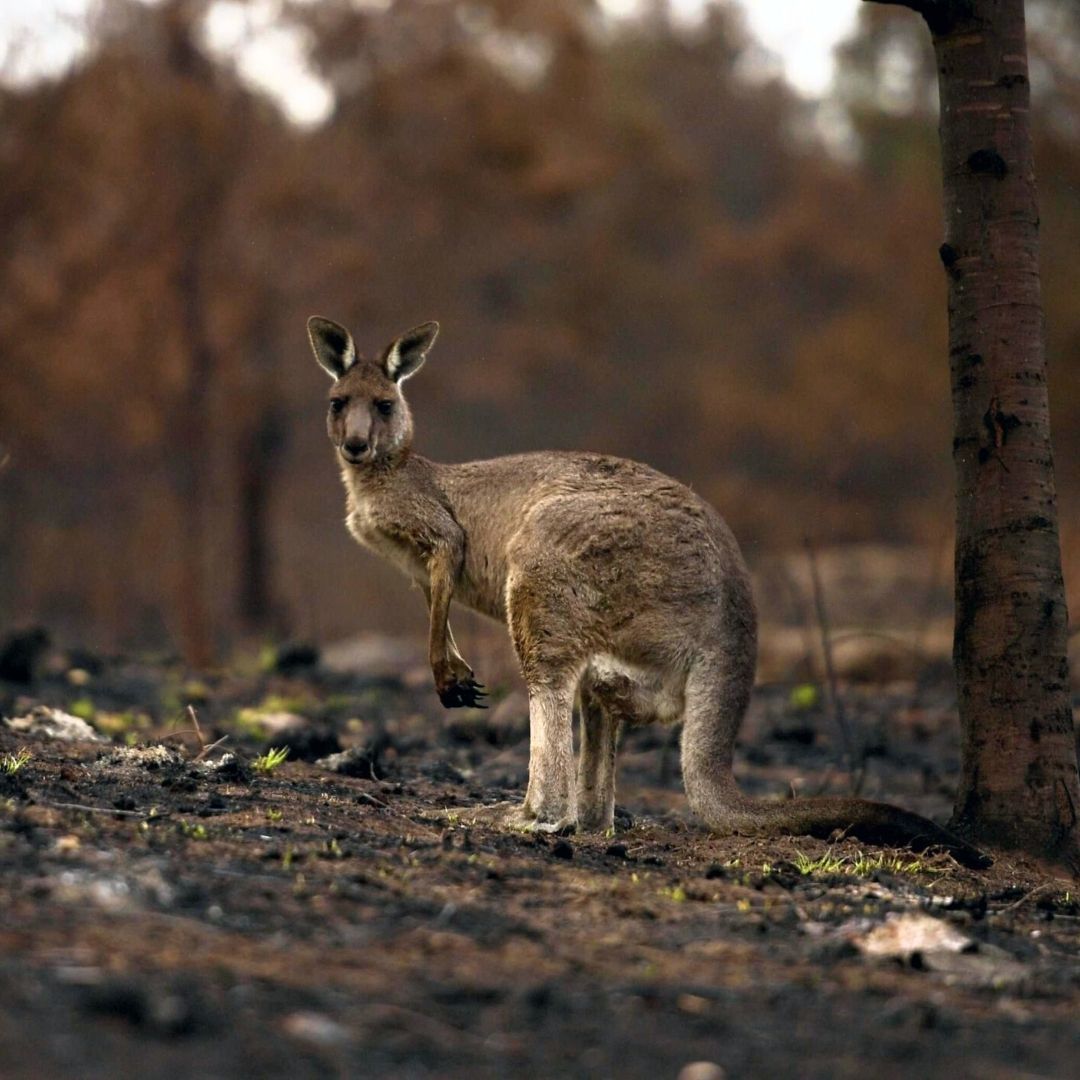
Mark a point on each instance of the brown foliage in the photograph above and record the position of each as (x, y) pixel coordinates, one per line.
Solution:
(630, 246)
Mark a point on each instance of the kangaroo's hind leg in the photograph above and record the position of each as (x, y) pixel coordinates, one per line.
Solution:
(613, 694)
(596, 763)
(551, 798)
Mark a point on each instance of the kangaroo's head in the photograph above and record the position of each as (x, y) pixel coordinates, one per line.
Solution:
(368, 421)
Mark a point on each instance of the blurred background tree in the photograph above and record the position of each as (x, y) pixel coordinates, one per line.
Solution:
(635, 238)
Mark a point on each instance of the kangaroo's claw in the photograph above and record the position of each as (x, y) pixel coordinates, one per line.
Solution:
(465, 694)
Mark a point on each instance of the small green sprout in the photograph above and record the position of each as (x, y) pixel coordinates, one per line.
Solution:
(675, 893)
(274, 815)
(193, 831)
(83, 708)
(12, 763)
(268, 762)
(804, 696)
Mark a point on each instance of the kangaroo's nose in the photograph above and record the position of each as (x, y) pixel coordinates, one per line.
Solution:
(354, 447)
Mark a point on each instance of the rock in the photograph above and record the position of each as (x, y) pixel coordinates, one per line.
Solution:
(561, 849)
(43, 722)
(903, 936)
(987, 968)
(311, 742)
(702, 1070)
(442, 772)
(305, 739)
(357, 761)
(375, 657)
(226, 767)
(160, 1011)
(315, 1028)
(21, 654)
(295, 657)
(274, 725)
(149, 758)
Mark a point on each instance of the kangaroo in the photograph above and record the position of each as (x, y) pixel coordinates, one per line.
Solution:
(622, 590)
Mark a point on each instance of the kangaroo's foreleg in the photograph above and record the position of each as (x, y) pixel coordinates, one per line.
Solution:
(454, 680)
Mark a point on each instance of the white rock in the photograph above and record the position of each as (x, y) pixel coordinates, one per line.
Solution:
(913, 932)
(316, 1028)
(45, 723)
(702, 1070)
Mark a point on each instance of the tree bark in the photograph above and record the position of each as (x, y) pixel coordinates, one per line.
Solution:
(1019, 787)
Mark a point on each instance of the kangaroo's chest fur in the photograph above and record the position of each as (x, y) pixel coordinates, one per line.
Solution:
(385, 537)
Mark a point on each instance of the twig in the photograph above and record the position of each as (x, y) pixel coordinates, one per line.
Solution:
(1028, 896)
(210, 746)
(836, 705)
(195, 721)
(104, 810)
(204, 745)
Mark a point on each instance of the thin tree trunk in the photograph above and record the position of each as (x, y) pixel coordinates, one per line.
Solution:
(190, 453)
(1019, 787)
(205, 181)
(259, 455)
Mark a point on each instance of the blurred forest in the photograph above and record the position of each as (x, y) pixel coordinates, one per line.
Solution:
(635, 241)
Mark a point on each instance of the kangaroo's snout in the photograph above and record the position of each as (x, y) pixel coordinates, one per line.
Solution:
(354, 448)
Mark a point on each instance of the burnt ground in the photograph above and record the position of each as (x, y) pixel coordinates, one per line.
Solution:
(170, 916)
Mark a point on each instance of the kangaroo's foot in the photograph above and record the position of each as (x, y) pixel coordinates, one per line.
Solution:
(595, 815)
(517, 817)
(604, 819)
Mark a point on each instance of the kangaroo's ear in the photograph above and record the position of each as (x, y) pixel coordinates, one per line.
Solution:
(406, 355)
(333, 345)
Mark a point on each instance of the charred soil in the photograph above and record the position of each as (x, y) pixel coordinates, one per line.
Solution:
(172, 911)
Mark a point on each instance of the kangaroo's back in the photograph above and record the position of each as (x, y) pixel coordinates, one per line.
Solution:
(633, 538)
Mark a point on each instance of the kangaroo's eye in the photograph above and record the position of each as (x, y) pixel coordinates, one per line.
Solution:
(385, 408)
(336, 405)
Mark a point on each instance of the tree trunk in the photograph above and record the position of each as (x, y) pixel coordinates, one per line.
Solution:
(189, 455)
(259, 455)
(1019, 787)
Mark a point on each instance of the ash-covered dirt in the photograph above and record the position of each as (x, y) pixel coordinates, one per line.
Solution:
(169, 911)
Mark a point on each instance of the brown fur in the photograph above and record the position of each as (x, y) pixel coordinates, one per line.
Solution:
(622, 590)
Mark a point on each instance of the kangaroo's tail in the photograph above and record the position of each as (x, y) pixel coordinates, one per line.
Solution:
(872, 822)
(715, 702)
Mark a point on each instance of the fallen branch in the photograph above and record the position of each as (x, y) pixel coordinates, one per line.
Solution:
(103, 810)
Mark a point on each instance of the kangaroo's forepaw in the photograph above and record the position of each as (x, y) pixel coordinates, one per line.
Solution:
(466, 693)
